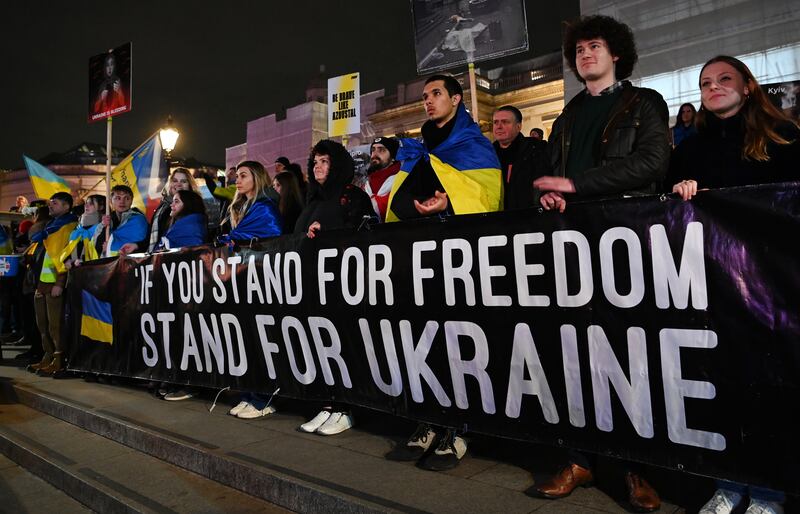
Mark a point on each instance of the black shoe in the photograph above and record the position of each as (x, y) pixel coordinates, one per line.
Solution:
(27, 355)
(11, 338)
(448, 453)
(64, 373)
(416, 446)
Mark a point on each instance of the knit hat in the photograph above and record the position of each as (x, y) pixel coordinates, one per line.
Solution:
(391, 144)
(283, 160)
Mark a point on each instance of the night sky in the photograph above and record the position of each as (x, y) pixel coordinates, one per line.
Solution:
(213, 66)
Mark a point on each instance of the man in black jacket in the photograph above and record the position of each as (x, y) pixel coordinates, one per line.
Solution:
(521, 159)
(612, 139)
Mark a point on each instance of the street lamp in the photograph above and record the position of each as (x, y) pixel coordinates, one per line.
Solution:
(169, 136)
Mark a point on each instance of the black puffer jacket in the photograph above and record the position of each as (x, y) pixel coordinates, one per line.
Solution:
(337, 203)
(633, 155)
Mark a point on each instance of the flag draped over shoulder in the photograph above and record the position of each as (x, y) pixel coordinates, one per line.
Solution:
(145, 172)
(261, 220)
(131, 229)
(55, 237)
(96, 321)
(186, 231)
(465, 163)
(45, 182)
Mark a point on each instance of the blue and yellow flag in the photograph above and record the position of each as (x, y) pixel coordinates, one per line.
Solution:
(55, 237)
(45, 182)
(83, 235)
(465, 164)
(96, 322)
(145, 172)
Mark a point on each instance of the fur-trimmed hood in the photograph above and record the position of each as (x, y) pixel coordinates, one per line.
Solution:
(341, 172)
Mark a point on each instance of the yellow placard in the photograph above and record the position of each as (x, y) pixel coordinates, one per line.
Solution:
(344, 105)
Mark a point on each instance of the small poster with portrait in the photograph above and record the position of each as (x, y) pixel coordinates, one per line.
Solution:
(110, 83)
(785, 96)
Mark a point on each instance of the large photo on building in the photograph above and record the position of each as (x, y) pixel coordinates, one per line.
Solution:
(451, 33)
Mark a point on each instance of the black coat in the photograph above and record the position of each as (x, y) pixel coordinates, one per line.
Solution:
(530, 161)
(337, 203)
(713, 156)
(633, 154)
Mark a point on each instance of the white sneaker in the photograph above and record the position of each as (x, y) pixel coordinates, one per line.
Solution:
(336, 423)
(723, 502)
(239, 408)
(250, 412)
(176, 396)
(763, 507)
(316, 421)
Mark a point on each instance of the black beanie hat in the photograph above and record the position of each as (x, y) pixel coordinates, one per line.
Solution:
(391, 144)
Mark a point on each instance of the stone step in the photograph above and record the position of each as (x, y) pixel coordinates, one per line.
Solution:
(270, 459)
(21, 491)
(106, 476)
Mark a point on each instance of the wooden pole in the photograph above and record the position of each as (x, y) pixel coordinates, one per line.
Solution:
(473, 91)
(108, 175)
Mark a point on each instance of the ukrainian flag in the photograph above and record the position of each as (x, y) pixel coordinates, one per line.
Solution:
(145, 172)
(83, 235)
(96, 322)
(45, 182)
(54, 237)
(465, 163)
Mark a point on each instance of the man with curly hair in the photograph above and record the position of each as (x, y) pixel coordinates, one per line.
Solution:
(612, 139)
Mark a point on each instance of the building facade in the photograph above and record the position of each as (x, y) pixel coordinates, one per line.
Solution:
(536, 87)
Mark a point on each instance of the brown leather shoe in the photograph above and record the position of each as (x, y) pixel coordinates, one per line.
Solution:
(642, 496)
(47, 358)
(56, 365)
(563, 483)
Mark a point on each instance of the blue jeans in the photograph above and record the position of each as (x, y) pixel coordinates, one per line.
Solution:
(755, 493)
(259, 402)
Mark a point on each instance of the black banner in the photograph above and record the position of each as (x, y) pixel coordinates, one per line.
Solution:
(649, 329)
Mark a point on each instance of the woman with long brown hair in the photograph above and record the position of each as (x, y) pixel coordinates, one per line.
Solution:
(290, 204)
(252, 213)
(742, 138)
(684, 124)
(179, 179)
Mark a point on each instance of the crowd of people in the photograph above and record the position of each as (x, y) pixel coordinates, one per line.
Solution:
(611, 140)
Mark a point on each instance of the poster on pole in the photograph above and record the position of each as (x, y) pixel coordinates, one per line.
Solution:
(344, 105)
(452, 33)
(110, 83)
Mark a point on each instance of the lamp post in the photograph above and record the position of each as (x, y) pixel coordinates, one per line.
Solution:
(168, 136)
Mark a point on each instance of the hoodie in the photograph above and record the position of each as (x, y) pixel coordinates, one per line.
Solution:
(337, 203)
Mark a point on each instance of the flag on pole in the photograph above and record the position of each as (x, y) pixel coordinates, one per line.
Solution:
(145, 172)
(45, 182)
